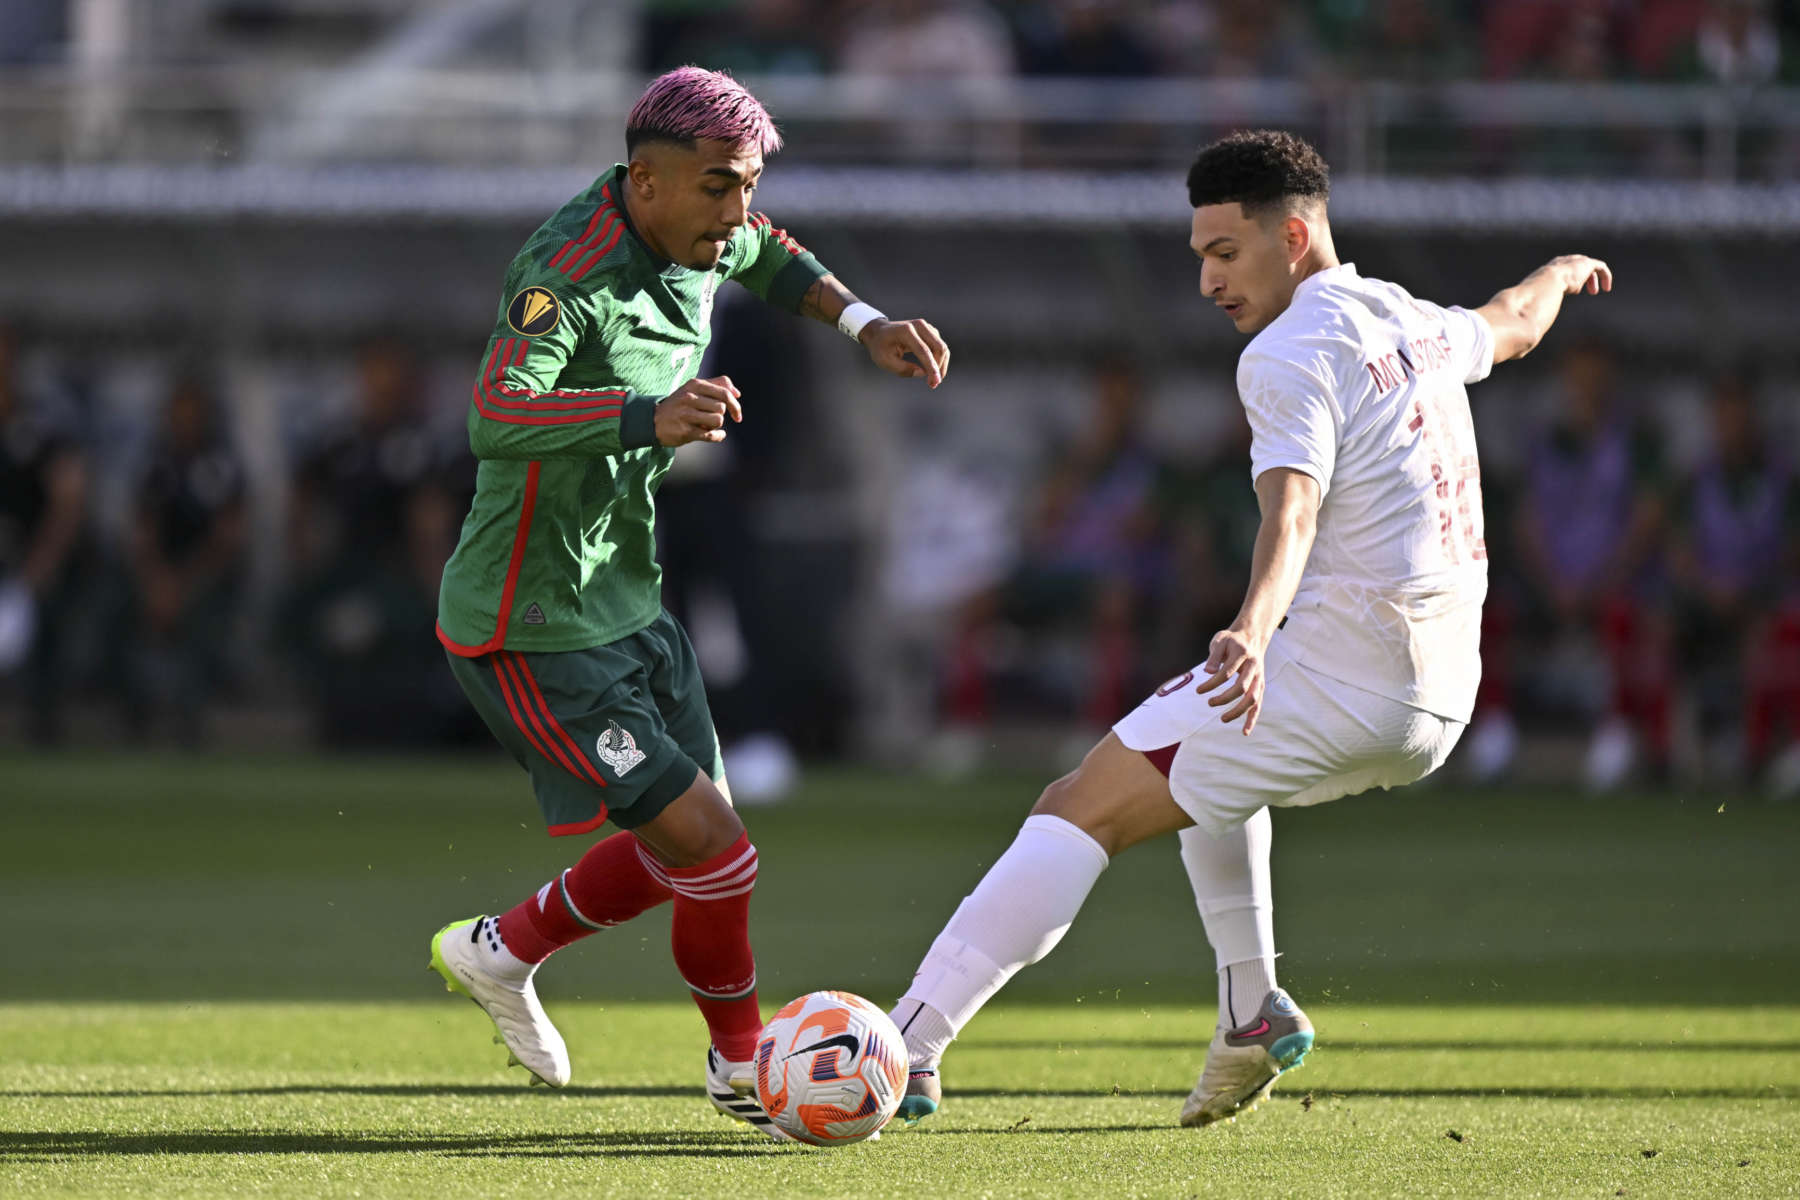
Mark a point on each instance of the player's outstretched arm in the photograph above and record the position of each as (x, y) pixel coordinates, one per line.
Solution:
(1523, 313)
(910, 349)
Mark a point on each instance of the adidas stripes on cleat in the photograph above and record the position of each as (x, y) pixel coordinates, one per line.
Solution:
(732, 1089)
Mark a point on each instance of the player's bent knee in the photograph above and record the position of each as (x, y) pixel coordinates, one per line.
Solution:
(1115, 797)
(696, 827)
(1084, 808)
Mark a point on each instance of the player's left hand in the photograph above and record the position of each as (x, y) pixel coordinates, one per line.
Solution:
(1235, 653)
(910, 349)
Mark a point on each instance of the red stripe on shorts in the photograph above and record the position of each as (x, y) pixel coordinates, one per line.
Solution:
(508, 667)
(592, 773)
(574, 827)
(513, 708)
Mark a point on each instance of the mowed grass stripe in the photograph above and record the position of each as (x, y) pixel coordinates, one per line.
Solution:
(408, 1099)
(198, 879)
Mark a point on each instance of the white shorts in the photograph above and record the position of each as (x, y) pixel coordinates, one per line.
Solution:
(1316, 739)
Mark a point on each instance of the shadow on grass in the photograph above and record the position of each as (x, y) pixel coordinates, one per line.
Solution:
(422, 1090)
(42, 1146)
(475, 1090)
(1327, 1042)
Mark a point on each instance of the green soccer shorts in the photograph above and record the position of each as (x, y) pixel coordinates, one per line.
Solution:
(614, 731)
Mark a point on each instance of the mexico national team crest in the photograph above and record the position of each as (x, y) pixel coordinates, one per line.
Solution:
(534, 312)
(618, 749)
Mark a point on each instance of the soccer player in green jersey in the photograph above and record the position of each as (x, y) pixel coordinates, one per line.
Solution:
(551, 605)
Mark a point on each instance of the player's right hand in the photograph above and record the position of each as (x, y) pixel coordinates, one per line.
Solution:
(696, 411)
(1234, 653)
(1583, 274)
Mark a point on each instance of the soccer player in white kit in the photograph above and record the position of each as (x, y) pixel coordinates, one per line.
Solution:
(1354, 660)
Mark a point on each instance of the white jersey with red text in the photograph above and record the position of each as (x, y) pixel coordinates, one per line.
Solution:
(1362, 387)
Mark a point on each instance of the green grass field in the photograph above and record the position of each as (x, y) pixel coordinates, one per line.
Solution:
(216, 984)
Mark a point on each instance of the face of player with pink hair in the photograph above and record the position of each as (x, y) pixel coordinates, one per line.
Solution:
(686, 203)
(1250, 265)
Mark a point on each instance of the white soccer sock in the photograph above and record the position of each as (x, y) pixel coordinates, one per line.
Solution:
(1014, 917)
(500, 960)
(1230, 877)
(1242, 986)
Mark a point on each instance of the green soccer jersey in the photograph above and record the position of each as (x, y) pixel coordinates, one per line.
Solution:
(559, 550)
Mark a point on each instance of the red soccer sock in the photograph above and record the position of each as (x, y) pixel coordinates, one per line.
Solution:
(711, 939)
(609, 885)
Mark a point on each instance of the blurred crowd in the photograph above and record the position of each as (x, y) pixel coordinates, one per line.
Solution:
(1739, 42)
(1322, 49)
(127, 565)
(165, 568)
(915, 81)
(1644, 548)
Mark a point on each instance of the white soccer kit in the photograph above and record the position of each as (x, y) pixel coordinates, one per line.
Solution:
(1373, 676)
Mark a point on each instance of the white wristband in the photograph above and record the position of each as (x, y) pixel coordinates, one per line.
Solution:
(855, 316)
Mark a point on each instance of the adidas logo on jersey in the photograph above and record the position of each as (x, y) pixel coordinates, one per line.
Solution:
(534, 616)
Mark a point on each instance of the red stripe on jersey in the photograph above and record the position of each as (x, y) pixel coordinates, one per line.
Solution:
(512, 706)
(607, 235)
(508, 666)
(492, 394)
(588, 767)
(605, 249)
(527, 506)
(781, 236)
(601, 210)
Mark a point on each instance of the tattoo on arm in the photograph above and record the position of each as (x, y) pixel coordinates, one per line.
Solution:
(826, 300)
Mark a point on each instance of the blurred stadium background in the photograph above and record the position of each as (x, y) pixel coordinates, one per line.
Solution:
(252, 250)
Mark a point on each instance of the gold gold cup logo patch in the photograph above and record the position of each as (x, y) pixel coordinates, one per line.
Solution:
(533, 312)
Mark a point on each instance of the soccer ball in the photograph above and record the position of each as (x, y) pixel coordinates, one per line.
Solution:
(830, 1069)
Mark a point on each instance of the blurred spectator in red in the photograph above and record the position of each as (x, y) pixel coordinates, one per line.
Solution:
(1571, 40)
(43, 502)
(373, 519)
(185, 557)
(1064, 629)
(1734, 528)
(1588, 534)
(1733, 42)
(1565, 42)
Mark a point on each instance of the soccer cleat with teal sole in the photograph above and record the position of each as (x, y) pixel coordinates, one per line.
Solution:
(1242, 1064)
(924, 1093)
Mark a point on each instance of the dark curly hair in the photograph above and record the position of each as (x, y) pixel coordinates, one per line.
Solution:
(1261, 169)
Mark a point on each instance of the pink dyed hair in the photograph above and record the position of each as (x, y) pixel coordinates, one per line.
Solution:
(690, 103)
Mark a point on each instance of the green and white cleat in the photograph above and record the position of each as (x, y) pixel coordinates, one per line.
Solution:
(459, 955)
(1242, 1064)
(924, 1094)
